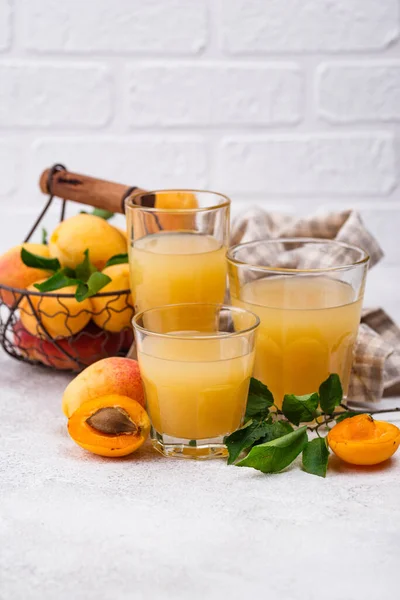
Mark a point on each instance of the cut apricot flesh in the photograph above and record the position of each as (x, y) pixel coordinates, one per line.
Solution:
(361, 440)
(111, 425)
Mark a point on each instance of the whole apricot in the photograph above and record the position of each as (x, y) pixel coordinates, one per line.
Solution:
(114, 313)
(108, 376)
(14, 273)
(124, 234)
(171, 213)
(73, 236)
(361, 440)
(112, 425)
(176, 200)
(60, 316)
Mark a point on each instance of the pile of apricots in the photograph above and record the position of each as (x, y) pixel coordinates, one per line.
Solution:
(94, 328)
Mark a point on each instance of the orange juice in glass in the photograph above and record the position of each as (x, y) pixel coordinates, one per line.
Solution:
(177, 255)
(195, 377)
(308, 294)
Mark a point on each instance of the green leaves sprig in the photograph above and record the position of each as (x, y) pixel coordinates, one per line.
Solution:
(275, 455)
(269, 438)
(86, 277)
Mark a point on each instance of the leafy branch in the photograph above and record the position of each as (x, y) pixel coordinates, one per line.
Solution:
(269, 438)
(86, 277)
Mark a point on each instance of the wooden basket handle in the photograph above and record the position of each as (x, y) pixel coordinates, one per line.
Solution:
(99, 193)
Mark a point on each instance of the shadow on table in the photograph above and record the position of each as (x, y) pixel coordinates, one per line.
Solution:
(339, 466)
(144, 454)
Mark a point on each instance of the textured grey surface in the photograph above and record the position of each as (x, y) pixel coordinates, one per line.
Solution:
(75, 526)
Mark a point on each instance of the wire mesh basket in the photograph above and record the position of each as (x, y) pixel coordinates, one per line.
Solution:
(31, 321)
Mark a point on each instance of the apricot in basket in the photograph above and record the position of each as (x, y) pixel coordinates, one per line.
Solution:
(73, 236)
(114, 312)
(14, 273)
(53, 313)
(88, 346)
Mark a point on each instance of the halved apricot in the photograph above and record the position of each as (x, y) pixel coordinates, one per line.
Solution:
(111, 425)
(361, 440)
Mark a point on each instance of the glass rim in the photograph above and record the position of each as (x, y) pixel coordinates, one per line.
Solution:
(213, 336)
(308, 240)
(225, 203)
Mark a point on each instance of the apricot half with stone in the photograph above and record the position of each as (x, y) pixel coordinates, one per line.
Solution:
(110, 425)
(361, 440)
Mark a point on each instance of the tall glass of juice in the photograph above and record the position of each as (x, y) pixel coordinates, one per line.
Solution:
(196, 362)
(308, 294)
(177, 247)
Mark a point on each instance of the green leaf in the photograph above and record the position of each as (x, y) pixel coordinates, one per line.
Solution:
(276, 430)
(118, 259)
(82, 291)
(69, 272)
(347, 414)
(244, 438)
(96, 282)
(330, 393)
(39, 262)
(85, 269)
(44, 236)
(259, 400)
(277, 454)
(104, 214)
(93, 285)
(56, 282)
(315, 457)
(298, 409)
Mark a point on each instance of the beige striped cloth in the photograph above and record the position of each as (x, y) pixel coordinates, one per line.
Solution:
(376, 365)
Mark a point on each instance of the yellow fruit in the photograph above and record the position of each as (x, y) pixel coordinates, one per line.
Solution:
(124, 234)
(176, 199)
(61, 317)
(74, 235)
(15, 274)
(361, 440)
(111, 425)
(114, 312)
(114, 375)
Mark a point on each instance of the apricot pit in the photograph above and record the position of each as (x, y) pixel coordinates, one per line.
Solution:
(112, 420)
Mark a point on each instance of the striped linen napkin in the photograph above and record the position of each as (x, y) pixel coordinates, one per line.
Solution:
(376, 364)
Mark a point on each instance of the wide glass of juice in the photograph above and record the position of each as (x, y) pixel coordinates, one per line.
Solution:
(308, 294)
(196, 361)
(177, 247)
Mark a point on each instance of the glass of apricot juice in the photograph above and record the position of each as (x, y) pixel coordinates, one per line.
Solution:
(308, 294)
(177, 247)
(196, 361)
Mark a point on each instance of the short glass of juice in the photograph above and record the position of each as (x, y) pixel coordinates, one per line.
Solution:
(308, 294)
(177, 247)
(196, 361)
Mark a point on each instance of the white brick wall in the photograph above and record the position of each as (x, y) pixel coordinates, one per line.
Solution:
(214, 94)
(293, 104)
